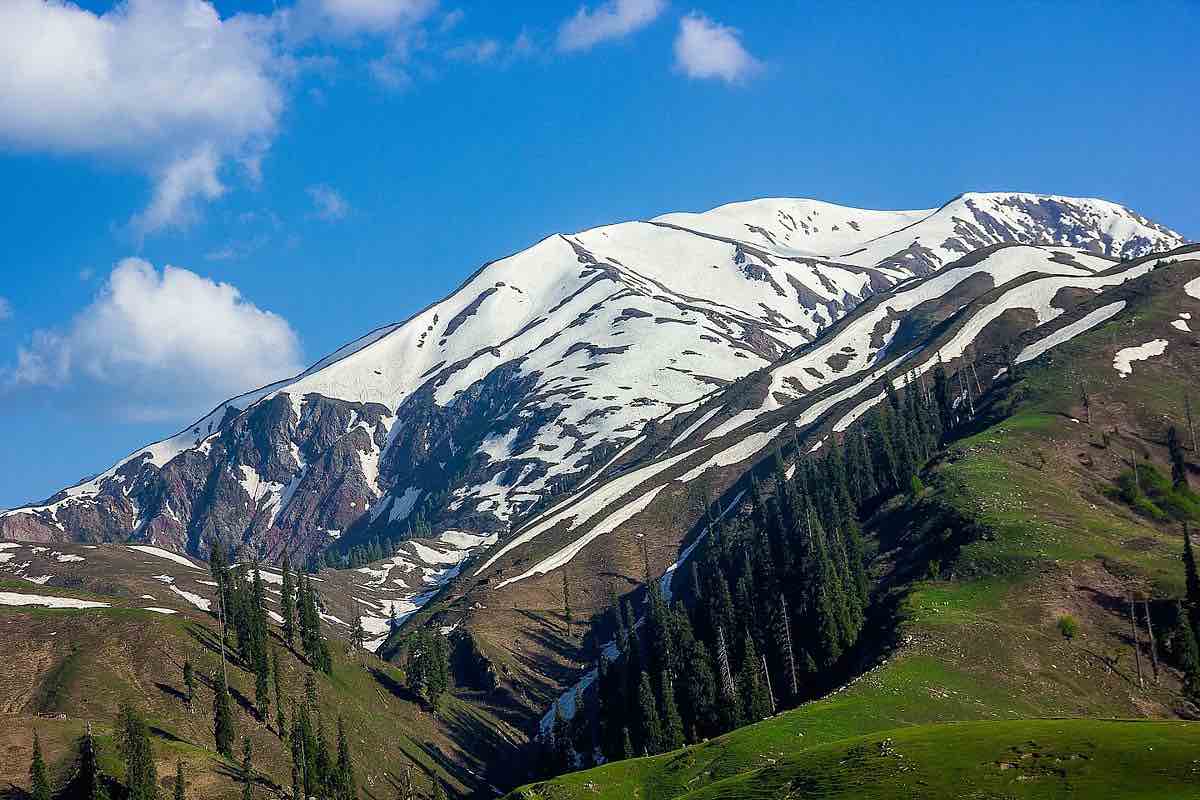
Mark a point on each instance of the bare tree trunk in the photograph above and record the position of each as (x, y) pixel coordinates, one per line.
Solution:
(1137, 646)
(790, 653)
(767, 678)
(1187, 404)
(1150, 638)
(1133, 460)
(723, 664)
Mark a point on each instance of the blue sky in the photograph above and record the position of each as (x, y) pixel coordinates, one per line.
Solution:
(315, 169)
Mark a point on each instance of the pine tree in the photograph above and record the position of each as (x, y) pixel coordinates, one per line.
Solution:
(1178, 462)
(141, 777)
(566, 591)
(39, 781)
(247, 770)
(88, 780)
(650, 728)
(751, 686)
(626, 743)
(673, 735)
(347, 785)
(180, 791)
(439, 791)
(1189, 659)
(358, 635)
(1192, 580)
(287, 603)
(324, 759)
(222, 719)
(189, 683)
(280, 715)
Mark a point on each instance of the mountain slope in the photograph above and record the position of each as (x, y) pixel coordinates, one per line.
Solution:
(537, 370)
(1022, 525)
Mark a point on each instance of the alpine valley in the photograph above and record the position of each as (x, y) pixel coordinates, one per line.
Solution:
(892, 484)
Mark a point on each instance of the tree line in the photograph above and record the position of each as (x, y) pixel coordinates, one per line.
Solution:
(776, 598)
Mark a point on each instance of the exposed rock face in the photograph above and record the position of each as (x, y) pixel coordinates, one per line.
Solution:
(538, 370)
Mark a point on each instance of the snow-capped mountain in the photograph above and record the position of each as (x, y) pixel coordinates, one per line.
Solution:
(547, 365)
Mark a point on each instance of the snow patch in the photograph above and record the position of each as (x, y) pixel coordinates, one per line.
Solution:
(1123, 362)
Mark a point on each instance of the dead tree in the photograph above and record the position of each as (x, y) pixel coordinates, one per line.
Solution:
(767, 678)
(1137, 645)
(1150, 639)
(723, 665)
(788, 654)
(1187, 406)
(1086, 400)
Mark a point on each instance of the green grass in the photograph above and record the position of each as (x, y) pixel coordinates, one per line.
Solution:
(1010, 759)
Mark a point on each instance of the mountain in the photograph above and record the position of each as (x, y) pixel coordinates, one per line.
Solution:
(1027, 632)
(576, 418)
(538, 370)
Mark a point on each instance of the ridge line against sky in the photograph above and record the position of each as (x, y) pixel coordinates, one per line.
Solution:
(208, 193)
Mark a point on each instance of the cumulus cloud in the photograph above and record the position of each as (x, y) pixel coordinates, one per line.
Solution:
(328, 203)
(707, 49)
(165, 86)
(614, 19)
(154, 345)
(6, 311)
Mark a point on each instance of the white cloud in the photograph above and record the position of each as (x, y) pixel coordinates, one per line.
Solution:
(328, 203)
(164, 86)
(154, 344)
(707, 49)
(6, 311)
(611, 20)
(479, 51)
(352, 17)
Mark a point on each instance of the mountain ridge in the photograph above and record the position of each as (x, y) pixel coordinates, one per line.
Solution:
(765, 298)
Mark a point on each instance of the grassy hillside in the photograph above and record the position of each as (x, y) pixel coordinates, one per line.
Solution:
(78, 666)
(1018, 537)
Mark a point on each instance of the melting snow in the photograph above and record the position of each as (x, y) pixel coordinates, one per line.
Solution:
(167, 554)
(157, 610)
(1068, 332)
(1123, 363)
(17, 599)
(195, 599)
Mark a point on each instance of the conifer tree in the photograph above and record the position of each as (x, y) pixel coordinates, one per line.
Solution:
(280, 717)
(39, 781)
(650, 730)
(626, 743)
(566, 592)
(1178, 461)
(347, 785)
(673, 735)
(189, 683)
(180, 788)
(1191, 580)
(222, 719)
(751, 686)
(287, 603)
(141, 776)
(439, 791)
(1189, 660)
(247, 770)
(324, 758)
(88, 782)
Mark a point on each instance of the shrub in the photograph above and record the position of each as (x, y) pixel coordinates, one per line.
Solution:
(1068, 626)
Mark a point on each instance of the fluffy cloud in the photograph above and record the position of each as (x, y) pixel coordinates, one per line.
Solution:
(165, 86)
(707, 49)
(612, 20)
(351, 17)
(155, 344)
(328, 203)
